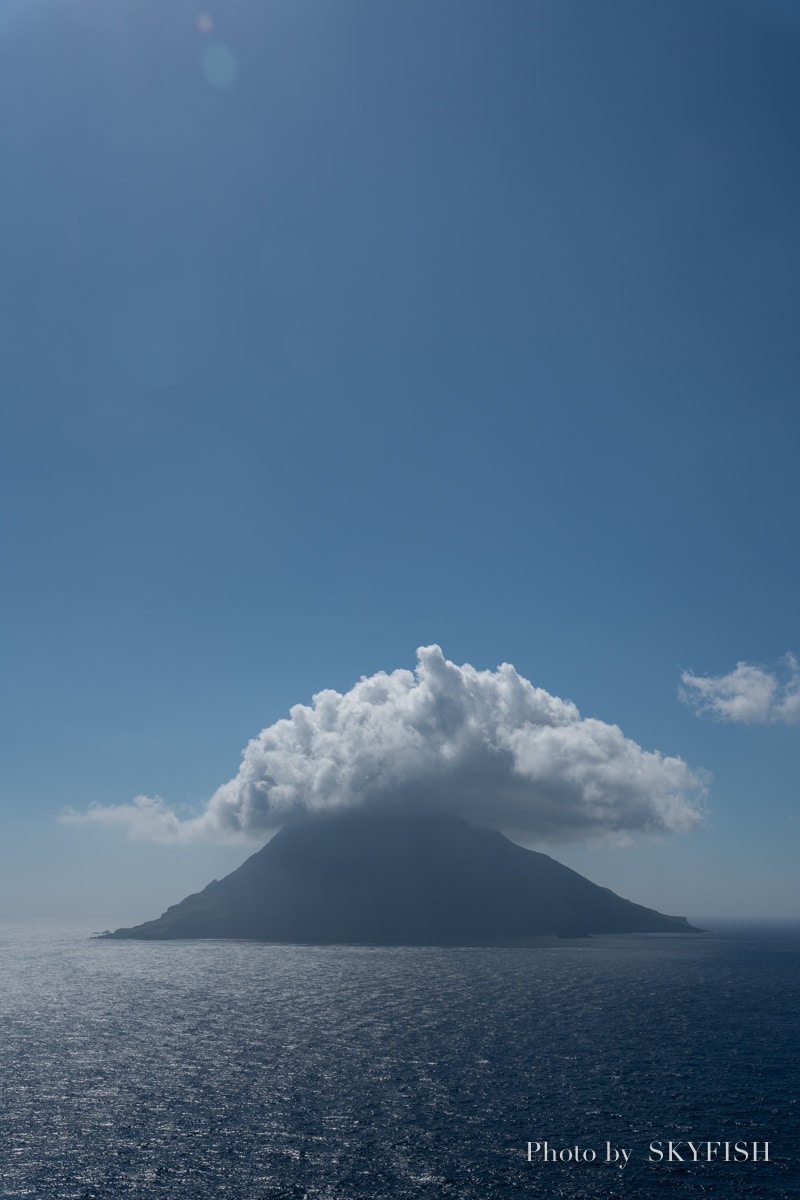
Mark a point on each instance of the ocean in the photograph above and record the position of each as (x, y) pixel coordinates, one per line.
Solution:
(241, 1070)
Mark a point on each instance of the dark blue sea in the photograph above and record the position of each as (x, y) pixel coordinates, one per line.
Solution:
(239, 1070)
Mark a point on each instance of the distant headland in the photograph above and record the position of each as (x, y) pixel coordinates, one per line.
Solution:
(400, 879)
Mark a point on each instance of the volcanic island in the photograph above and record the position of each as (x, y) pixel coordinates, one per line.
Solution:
(404, 879)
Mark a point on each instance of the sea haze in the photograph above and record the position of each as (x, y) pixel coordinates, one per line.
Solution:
(237, 1069)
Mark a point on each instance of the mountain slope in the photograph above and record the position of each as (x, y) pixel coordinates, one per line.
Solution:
(399, 880)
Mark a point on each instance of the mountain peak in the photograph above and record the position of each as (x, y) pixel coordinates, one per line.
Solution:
(400, 878)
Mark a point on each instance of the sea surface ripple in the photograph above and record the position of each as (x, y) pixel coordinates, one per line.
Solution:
(198, 1069)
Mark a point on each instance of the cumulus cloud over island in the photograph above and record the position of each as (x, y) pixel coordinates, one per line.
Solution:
(485, 745)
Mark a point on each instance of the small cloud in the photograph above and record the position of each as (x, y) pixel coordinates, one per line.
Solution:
(748, 694)
(485, 745)
(146, 818)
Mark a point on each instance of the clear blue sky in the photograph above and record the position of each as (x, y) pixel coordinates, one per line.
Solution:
(333, 328)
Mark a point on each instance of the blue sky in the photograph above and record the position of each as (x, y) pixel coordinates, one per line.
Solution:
(332, 330)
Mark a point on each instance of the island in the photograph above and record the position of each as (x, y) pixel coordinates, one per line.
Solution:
(400, 878)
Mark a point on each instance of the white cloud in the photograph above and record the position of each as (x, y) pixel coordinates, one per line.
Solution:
(752, 695)
(487, 745)
(146, 817)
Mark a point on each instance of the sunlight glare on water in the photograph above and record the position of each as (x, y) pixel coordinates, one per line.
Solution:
(185, 1070)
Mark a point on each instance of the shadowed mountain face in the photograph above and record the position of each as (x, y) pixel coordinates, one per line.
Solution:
(400, 880)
